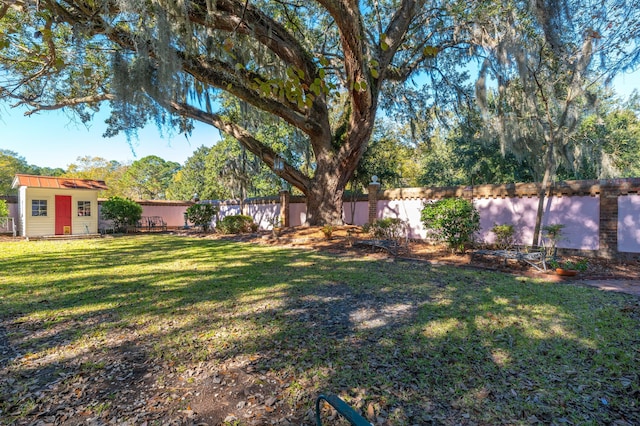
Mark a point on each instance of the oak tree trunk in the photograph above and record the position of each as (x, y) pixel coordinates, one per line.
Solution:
(324, 201)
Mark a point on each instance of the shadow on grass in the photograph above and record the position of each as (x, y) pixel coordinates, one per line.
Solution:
(405, 343)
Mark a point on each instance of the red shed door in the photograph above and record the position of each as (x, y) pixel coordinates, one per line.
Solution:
(63, 214)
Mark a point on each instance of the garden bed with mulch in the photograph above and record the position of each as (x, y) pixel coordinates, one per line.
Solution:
(344, 239)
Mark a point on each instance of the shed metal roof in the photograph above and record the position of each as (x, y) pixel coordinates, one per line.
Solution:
(57, 182)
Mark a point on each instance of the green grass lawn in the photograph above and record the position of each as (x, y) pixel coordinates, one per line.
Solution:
(404, 342)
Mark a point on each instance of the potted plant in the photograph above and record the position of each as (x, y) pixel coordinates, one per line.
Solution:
(569, 268)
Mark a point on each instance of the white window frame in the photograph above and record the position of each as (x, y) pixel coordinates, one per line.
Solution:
(84, 207)
(40, 208)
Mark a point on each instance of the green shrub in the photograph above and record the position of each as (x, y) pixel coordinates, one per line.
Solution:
(236, 224)
(327, 230)
(4, 209)
(452, 221)
(390, 228)
(581, 265)
(4, 213)
(201, 215)
(504, 235)
(122, 211)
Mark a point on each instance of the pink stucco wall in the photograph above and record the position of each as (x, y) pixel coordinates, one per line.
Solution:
(579, 214)
(297, 214)
(7, 227)
(229, 210)
(519, 212)
(264, 215)
(356, 213)
(581, 217)
(172, 215)
(407, 210)
(13, 209)
(629, 223)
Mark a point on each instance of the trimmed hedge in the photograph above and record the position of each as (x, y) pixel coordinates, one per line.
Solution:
(453, 221)
(236, 224)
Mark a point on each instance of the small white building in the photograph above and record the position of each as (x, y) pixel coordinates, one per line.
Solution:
(57, 206)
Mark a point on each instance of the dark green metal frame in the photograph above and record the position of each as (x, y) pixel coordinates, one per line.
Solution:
(341, 407)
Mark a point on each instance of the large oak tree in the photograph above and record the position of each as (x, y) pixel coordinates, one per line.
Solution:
(318, 66)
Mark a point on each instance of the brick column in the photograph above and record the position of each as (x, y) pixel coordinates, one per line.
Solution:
(284, 208)
(608, 220)
(374, 187)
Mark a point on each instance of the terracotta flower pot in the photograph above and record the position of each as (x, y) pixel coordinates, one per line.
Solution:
(566, 272)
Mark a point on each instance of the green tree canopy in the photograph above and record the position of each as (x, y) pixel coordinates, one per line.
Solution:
(541, 54)
(609, 142)
(190, 179)
(10, 164)
(99, 168)
(234, 173)
(150, 177)
(322, 68)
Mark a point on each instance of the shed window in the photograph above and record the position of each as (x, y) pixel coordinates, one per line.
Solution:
(84, 208)
(38, 207)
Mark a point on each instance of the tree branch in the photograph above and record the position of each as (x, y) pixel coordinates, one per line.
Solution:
(94, 99)
(238, 83)
(397, 29)
(348, 18)
(235, 16)
(259, 149)
(221, 75)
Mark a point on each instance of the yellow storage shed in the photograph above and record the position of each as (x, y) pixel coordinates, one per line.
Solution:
(50, 205)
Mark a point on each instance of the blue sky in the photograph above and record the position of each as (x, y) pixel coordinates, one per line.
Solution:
(52, 139)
